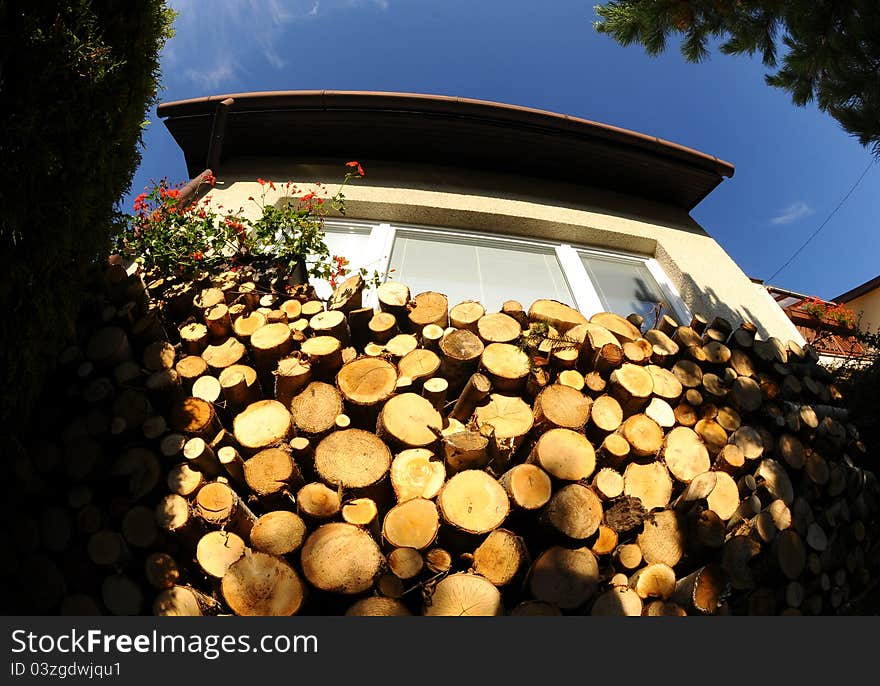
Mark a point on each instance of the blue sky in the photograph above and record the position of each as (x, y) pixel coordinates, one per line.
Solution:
(793, 165)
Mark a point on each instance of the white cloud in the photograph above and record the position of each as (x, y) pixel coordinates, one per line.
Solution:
(213, 40)
(792, 213)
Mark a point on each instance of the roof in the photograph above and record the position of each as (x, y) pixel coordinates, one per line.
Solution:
(858, 291)
(460, 132)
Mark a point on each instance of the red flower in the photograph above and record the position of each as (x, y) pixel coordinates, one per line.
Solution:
(262, 182)
(140, 202)
(210, 179)
(353, 163)
(308, 196)
(198, 255)
(272, 185)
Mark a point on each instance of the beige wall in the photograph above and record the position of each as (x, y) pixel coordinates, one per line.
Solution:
(867, 307)
(708, 280)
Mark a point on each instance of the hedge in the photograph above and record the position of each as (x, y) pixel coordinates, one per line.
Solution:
(76, 80)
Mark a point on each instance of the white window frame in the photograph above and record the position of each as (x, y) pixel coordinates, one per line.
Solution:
(381, 244)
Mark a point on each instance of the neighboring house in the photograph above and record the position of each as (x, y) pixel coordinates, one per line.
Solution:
(833, 340)
(487, 201)
(864, 300)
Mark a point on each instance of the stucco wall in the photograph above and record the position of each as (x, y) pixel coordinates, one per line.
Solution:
(868, 307)
(709, 281)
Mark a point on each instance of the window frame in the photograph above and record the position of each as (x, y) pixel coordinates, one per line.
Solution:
(381, 244)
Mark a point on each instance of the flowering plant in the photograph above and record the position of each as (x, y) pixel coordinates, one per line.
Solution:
(175, 236)
(836, 313)
(181, 238)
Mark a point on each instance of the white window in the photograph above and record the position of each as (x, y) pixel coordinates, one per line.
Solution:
(478, 268)
(493, 268)
(624, 284)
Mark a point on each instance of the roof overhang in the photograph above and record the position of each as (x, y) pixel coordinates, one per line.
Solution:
(858, 291)
(458, 132)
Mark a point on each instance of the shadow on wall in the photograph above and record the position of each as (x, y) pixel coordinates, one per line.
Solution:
(713, 306)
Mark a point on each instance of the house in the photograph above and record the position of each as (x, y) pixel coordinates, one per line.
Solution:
(832, 338)
(864, 300)
(488, 201)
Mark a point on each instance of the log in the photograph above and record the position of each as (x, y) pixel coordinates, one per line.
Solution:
(662, 539)
(619, 601)
(182, 601)
(473, 502)
(661, 412)
(622, 329)
(200, 456)
(272, 474)
(314, 409)
(564, 454)
(278, 533)
(362, 512)
(475, 391)
(429, 308)
(417, 473)
(193, 339)
(502, 558)
(749, 441)
(606, 414)
(189, 369)
(614, 449)
(559, 406)
(393, 297)
(510, 420)
(223, 355)
(464, 595)
(460, 352)
(405, 563)
(745, 394)
(465, 315)
(217, 551)
(566, 578)
(701, 591)
(341, 558)
(434, 390)
(632, 386)
(262, 424)
(378, 606)
(724, 498)
(650, 483)
(219, 506)
(528, 486)
(218, 322)
(608, 483)
(331, 323)
(466, 450)
(318, 502)
(207, 388)
(418, 365)
(663, 348)
(324, 354)
(643, 434)
(574, 511)
(685, 454)
(555, 314)
(262, 584)
(352, 459)
(413, 523)
(244, 326)
(499, 327)
(239, 386)
(291, 377)
(383, 327)
(269, 344)
(195, 417)
(655, 580)
(506, 367)
(409, 421)
(665, 385)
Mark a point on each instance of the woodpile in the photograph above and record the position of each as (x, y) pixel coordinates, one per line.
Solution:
(221, 448)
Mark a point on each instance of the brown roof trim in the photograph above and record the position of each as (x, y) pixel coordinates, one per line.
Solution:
(476, 119)
(867, 287)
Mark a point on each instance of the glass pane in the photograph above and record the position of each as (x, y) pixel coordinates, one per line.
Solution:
(477, 269)
(624, 286)
(349, 242)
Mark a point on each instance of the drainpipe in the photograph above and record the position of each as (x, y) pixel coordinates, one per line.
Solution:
(218, 132)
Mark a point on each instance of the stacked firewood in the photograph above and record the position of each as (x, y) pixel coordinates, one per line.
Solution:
(225, 448)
